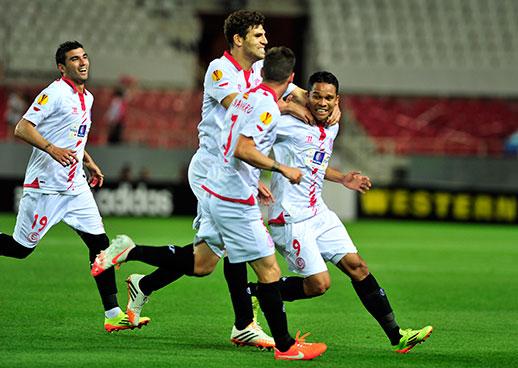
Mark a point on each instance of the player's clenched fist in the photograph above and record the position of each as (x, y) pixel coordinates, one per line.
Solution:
(293, 174)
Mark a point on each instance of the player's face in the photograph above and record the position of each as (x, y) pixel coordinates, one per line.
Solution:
(76, 65)
(255, 42)
(322, 100)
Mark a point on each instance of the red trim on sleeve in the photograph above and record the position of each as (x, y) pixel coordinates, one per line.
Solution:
(279, 220)
(250, 201)
(35, 184)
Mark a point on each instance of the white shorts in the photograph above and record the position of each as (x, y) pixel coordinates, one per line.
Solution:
(199, 166)
(307, 245)
(242, 230)
(38, 212)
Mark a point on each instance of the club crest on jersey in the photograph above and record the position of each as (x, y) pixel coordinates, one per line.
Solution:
(300, 263)
(266, 118)
(33, 237)
(217, 75)
(42, 100)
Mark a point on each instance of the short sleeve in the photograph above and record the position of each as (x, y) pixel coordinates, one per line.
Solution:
(220, 81)
(42, 107)
(262, 120)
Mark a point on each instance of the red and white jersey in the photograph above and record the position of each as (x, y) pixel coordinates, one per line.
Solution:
(308, 148)
(252, 114)
(62, 115)
(224, 77)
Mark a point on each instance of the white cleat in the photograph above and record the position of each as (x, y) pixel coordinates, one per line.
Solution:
(114, 255)
(136, 299)
(252, 335)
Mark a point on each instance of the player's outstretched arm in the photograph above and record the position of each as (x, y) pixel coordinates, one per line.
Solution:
(26, 131)
(246, 151)
(352, 180)
(96, 175)
(301, 112)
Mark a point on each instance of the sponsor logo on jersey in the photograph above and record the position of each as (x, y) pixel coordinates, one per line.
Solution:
(319, 156)
(217, 75)
(43, 99)
(266, 118)
(81, 132)
(74, 110)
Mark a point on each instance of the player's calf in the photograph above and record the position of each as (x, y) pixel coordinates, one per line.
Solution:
(11, 248)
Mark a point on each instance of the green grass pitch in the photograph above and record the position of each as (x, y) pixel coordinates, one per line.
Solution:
(462, 279)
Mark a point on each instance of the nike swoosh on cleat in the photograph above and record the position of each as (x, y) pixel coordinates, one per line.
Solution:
(300, 355)
(114, 260)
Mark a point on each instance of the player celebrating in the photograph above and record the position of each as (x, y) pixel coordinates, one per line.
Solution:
(236, 71)
(232, 208)
(55, 185)
(306, 232)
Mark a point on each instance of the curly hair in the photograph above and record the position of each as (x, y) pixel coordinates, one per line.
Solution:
(240, 22)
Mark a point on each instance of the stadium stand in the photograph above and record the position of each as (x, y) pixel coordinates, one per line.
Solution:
(151, 40)
(460, 126)
(464, 47)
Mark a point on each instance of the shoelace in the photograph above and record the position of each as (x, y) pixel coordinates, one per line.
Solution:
(301, 339)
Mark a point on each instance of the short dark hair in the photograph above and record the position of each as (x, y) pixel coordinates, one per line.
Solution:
(239, 23)
(64, 48)
(278, 64)
(323, 77)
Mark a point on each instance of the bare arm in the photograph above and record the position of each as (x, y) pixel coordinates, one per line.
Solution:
(96, 175)
(352, 180)
(247, 152)
(27, 132)
(228, 100)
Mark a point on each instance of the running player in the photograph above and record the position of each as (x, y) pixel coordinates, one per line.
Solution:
(306, 232)
(231, 207)
(55, 187)
(236, 71)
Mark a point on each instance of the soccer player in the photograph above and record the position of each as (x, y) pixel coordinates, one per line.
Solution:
(306, 232)
(232, 184)
(236, 71)
(55, 186)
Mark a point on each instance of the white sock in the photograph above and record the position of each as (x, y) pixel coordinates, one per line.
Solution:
(114, 312)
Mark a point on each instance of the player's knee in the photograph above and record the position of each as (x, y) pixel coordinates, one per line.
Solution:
(204, 264)
(318, 286)
(203, 269)
(354, 266)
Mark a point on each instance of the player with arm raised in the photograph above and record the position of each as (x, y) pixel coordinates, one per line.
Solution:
(238, 70)
(55, 187)
(306, 232)
(232, 186)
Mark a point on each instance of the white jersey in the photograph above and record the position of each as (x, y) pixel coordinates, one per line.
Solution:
(224, 77)
(252, 114)
(62, 115)
(308, 148)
